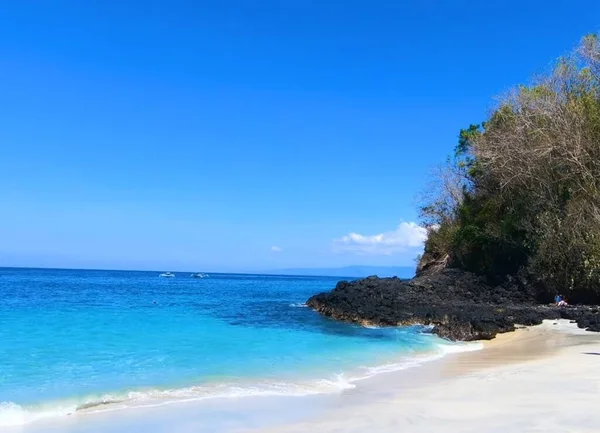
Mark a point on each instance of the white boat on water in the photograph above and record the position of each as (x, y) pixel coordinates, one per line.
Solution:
(167, 275)
(199, 275)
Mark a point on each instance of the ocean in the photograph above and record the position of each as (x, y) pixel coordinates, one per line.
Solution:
(79, 340)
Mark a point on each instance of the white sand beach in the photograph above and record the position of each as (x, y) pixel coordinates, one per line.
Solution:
(539, 379)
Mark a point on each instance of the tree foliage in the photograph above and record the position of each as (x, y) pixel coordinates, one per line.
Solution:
(528, 182)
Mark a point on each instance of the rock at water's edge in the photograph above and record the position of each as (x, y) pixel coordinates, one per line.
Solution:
(460, 305)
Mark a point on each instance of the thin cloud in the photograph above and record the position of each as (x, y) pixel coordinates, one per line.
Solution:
(276, 249)
(407, 236)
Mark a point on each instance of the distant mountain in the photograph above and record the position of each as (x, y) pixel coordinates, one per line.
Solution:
(350, 271)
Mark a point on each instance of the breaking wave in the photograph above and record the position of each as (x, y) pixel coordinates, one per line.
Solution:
(12, 414)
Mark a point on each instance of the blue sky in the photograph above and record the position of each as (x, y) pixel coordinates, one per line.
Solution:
(200, 135)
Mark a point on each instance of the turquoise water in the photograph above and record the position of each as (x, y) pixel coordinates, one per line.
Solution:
(72, 339)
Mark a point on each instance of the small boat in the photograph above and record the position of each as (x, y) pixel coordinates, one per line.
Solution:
(199, 275)
(167, 275)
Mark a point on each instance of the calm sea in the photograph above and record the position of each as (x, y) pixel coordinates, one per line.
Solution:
(78, 340)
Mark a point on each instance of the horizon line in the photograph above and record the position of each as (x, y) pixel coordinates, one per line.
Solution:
(263, 273)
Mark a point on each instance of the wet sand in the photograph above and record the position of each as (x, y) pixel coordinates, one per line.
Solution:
(540, 379)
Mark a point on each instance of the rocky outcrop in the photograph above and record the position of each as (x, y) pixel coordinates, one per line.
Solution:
(429, 265)
(460, 305)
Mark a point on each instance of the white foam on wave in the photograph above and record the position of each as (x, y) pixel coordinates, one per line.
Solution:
(442, 349)
(298, 305)
(370, 326)
(398, 366)
(12, 414)
(460, 347)
(260, 388)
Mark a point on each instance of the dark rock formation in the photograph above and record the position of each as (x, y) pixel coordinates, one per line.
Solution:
(460, 305)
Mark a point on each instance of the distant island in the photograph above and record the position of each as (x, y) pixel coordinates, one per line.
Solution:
(513, 218)
(350, 271)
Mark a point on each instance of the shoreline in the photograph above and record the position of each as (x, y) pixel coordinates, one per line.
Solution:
(539, 378)
(123, 404)
(381, 394)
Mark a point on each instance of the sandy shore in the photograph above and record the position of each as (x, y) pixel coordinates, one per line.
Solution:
(541, 379)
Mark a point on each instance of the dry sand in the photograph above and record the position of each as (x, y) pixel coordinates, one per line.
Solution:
(543, 379)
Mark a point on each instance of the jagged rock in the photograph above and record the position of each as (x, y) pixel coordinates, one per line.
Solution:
(460, 305)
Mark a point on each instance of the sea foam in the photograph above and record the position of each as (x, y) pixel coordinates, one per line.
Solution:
(12, 414)
(298, 305)
(442, 349)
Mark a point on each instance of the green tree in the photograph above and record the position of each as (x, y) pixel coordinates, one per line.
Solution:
(524, 194)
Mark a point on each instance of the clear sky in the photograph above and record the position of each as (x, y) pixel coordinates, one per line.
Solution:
(245, 135)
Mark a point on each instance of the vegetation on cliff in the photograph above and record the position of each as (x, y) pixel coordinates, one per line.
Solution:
(521, 195)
